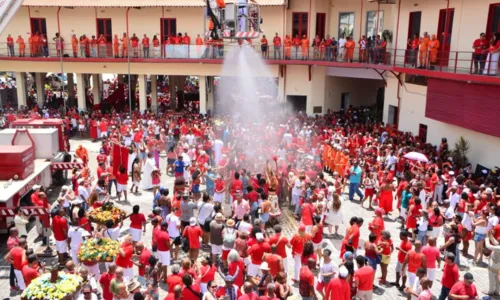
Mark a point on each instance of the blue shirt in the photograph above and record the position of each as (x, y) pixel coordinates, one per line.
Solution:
(356, 177)
(179, 166)
(405, 199)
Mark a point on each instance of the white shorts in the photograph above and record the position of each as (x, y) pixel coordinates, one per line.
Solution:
(128, 273)
(403, 213)
(20, 279)
(317, 246)
(62, 246)
(218, 197)
(136, 182)
(246, 261)
(431, 274)
(121, 187)
(94, 270)
(81, 127)
(253, 270)
(399, 269)
(411, 278)
(104, 134)
(216, 249)
(136, 234)
(74, 254)
(164, 257)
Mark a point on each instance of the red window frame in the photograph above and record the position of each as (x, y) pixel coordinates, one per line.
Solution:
(321, 24)
(302, 28)
(108, 34)
(490, 24)
(169, 27)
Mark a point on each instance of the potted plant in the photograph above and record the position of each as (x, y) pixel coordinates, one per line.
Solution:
(460, 151)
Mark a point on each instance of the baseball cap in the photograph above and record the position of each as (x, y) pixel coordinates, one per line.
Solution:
(343, 272)
(164, 224)
(192, 221)
(468, 276)
(302, 227)
(259, 236)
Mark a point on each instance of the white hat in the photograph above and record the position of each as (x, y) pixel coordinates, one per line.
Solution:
(36, 186)
(192, 221)
(264, 266)
(331, 189)
(343, 272)
(259, 236)
(451, 173)
(489, 191)
(484, 171)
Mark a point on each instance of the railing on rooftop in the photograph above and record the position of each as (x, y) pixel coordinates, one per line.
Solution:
(460, 62)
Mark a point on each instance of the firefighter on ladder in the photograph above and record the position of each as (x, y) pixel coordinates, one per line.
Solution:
(215, 10)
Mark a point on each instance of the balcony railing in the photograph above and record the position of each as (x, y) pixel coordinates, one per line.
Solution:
(459, 62)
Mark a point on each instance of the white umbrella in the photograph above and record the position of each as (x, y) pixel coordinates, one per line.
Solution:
(416, 156)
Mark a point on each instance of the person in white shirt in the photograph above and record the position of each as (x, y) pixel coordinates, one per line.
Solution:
(173, 229)
(86, 293)
(20, 221)
(75, 238)
(218, 145)
(341, 45)
(287, 137)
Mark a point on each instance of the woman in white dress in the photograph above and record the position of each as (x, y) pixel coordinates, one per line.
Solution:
(334, 214)
(149, 166)
(491, 66)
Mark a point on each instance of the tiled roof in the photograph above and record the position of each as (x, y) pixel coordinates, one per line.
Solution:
(132, 3)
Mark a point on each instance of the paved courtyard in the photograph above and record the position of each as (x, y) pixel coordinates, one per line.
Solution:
(349, 209)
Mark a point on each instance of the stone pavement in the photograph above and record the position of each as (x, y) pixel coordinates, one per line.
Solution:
(144, 200)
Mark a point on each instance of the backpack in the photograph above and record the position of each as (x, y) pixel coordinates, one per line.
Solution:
(229, 238)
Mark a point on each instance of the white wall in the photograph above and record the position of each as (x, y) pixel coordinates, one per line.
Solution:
(412, 113)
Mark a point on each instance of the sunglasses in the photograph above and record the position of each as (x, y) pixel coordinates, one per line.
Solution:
(86, 293)
(213, 287)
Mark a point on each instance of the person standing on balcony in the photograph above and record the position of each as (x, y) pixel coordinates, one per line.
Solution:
(329, 49)
(59, 44)
(424, 47)
(186, 41)
(342, 42)
(156, 46)
(305, 47)
(491, 66)
(116, 46)
(296, 44)
(10, 45)
(22, 46)
(413, 44)
(480, 47)
(135, 45)
(264, 46)
(363, 43)
(350, 45)
(277, 46)
(315, 44)
(74, 45)
(433, 51)
(124, 45)
(93, 46)
(145, 46)
(199, 45)
(32, 45)
(378, 49)
(37, 43)
(288, 47)
(102, 46)
(45, 45)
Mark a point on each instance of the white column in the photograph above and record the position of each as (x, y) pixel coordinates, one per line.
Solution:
(40, 88)
(22, 93)
(203, 94)
(154, 93)
(96, 90)
(143, 105)
(80, 91)
(281, 88)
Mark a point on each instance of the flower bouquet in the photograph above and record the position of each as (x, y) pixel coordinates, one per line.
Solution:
(98, 250)
(52, 286)
(105, 213)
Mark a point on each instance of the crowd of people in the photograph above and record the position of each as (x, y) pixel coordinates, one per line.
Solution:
(235, 179)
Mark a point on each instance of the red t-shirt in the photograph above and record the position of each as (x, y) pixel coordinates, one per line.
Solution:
(122, 178)
(257, 251)
(136, 220)
(59, 224)
(450, 275)
(144, 260)
(480, 43)
(126, 261)
(306, 276)
(307, 214)
(187, 294)
(193, 234)
(273, 263)
(208, 273)
(461, 289)
(405, 246)
(172, 281)
(297, 243)
(105, 282)
(431, 253)
(365, 278)
(233, 266)
(29, 274)
(281, 245)
(17, 257)
(253, 196)
(163, 240)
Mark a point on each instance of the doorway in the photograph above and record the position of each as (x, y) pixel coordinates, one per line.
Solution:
(380, 104)
(344, 101)
(445, 25)
(422, 133)
(392, 118)
(493, 20)
(298, 103)
(38, 25)
(320, 25)
(104, 27)
(413, 28)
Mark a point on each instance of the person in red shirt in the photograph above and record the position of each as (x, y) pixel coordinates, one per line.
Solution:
(60, 230)
(30, 271)
(338, 288)
(236, 267)
(144, 256)
(249, 293)
(174, 279)
(145, 46)
(10, 44)
(464, 288)
(264, 47)
(432, 255)
(277, 46)
(137, 222)
(193, 233)
(450, 275)
(191, 290)
(307, 214)
(363, 278)
(122, 183)
(175, 294)
(105, 282)
(306, 280)
(124, 258)
(17, 258)
(186, 40)
(403, 249)
(134, 40)
(163, 246)
(256, 253)
(207, 273)
(297, 244)
(274, 261)
(480, 47)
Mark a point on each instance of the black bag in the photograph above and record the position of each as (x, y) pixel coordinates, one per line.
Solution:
(429, 227)
(208, 220)
(185, 244)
